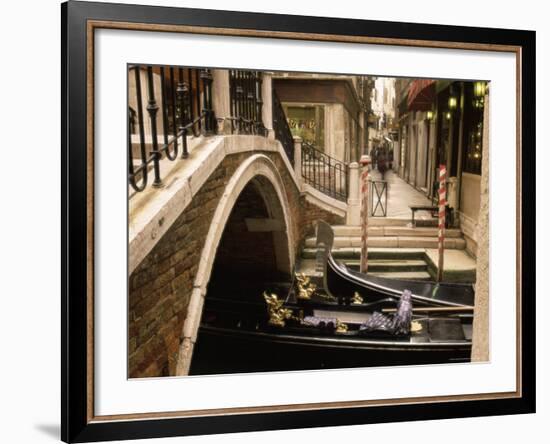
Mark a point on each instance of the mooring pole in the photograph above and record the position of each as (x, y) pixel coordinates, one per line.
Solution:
(441, 237)
(364, 161)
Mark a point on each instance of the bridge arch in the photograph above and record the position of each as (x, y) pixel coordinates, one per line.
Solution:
(257, 174)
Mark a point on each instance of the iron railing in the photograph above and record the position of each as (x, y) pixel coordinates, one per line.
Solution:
(324, 173)
(378, 198)
(281, 128)
(245, 96)
(185, 107)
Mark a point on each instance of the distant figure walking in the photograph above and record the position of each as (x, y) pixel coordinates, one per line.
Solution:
(382, 163)
(373, 157)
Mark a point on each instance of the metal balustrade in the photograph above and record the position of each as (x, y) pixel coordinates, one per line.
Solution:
(245, 96)
(281, 128)
(324, 173)
(167, 103)
(185, 108)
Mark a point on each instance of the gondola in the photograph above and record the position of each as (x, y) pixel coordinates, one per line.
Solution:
(342, 283)
(347, 322)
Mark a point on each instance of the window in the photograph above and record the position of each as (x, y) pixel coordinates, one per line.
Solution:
(307, 122)
(473, 130)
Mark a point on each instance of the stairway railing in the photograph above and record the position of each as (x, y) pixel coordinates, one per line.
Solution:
(185, 107)
(281, 128)
(325, 173)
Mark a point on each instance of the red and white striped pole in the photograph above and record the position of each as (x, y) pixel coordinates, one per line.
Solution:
(441, 235)
(364, 161)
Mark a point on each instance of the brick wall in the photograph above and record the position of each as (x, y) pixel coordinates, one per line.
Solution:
(311, 213)
(160, 286)
(241, 252)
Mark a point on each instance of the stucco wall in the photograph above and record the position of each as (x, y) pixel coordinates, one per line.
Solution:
(480, 339)
(335, 130)
(470, 198)
(470, 195)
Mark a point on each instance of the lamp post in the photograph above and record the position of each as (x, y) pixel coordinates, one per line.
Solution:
(441, 225)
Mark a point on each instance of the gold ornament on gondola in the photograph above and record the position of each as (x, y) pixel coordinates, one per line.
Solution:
(416, 326)
(356, 299)
(305, 287)
(277, 313)
(341, 327)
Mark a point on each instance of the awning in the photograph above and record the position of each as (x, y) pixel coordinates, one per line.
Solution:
(402, 107)
(421, 95)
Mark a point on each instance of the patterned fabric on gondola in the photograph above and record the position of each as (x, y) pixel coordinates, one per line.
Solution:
(397, 324)
(378, 322)
(319, 321)
(401, 322)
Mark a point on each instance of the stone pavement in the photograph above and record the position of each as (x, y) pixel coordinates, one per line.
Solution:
(400, 196)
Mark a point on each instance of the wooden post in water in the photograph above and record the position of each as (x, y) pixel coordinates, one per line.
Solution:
(441, 234)
(364, 161)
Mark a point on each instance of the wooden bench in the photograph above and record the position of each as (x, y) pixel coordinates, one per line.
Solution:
(433, 209)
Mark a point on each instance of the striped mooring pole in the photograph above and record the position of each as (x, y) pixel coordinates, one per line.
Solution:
(364, 161)
(441, 234)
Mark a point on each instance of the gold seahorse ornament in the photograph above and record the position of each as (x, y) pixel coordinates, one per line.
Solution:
(305, 287)
(277, 313)
(341, 327)
(356, 299)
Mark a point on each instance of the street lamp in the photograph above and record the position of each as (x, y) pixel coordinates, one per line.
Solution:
(430, 115)
(452, 102)
(479, 89)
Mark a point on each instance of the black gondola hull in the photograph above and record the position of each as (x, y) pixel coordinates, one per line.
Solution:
(225, 350)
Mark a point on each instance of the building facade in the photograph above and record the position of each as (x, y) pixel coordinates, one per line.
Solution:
(441, 123)
(327, 111)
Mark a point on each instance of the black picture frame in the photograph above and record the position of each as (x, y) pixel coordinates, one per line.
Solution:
(77, 424)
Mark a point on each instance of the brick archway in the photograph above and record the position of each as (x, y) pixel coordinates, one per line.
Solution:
(262, 172)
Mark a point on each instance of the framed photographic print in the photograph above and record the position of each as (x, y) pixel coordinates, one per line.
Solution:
(276, 221)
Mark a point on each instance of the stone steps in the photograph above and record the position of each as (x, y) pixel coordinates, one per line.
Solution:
(409, 269)
(406, 275)
(392, 242)
(374, 253)
(395, 269)
(393, 231)
(386, 221)
(390, 265)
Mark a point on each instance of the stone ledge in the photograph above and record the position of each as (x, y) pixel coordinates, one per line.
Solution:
(324, 202)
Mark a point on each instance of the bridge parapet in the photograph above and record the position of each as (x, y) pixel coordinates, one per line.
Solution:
(152, 211)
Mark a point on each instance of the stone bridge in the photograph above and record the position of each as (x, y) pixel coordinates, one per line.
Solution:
(234, 208)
